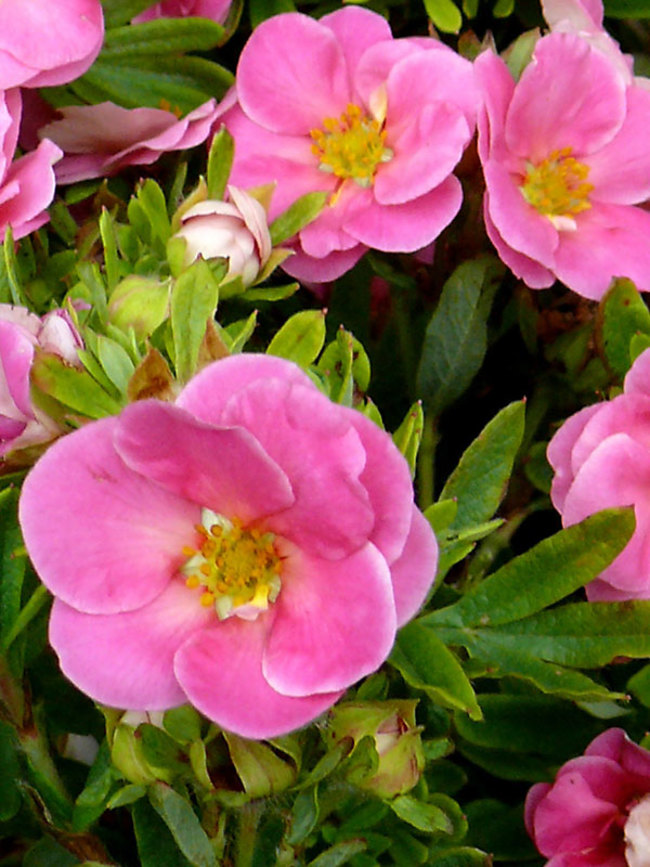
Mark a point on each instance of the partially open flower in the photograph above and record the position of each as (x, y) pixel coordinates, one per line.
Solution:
(251, 549)
(236, 230)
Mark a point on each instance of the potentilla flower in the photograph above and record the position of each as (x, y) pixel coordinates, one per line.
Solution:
(251, 549)
(601, 458)
(343, 107)
(237, 230)
(215, 10)
(596, 813)
(43, 43)
(99, 140)
(21, 423)
(566, 162)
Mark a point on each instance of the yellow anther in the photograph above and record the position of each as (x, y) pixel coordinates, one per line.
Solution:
(192, 582)
(207, 599)
(187, 551)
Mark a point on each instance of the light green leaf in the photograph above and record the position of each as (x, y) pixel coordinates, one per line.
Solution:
(622, 314)
(73, 387)
(408, 435)
(423, 816)
(220, 157)
(301, 338)
(193, 302)
(303, 211)
(444, 14)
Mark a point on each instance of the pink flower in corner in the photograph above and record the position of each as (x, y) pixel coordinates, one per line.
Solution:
(601, 458)
(27, 184)
(251, 549)
(379, 123)
(596, 813)
(44, 43)
(99, 140)
(215, 10)
(566, 163)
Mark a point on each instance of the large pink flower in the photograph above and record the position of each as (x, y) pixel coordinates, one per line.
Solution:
(566, 163)
(26, 184)
(99, 140)
(21, 332)
(215, 10)
(601, 458)
(43, 43)
(251, 549)
(343, 107)
(596, 813)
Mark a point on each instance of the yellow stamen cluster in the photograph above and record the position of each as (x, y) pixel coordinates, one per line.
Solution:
(351, 146)
(557, 187)
(237, 570)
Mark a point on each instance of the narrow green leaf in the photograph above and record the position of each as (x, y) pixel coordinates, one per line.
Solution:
(408, 435)
(303, 211)
(183, 824)
(152, 200)
(161, 36)
(193, 301)
(301, 338)
(622, 314)
(93, 799)
(423, 816)
(115, 362)
(73, 387)
(456, 337)
(551, 570)
(480, 480)
(109, 242)
(10, 799)
(426, 663)
(222, 151)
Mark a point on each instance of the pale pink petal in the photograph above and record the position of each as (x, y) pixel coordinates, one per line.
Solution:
(611, 241)
(207, 393)
(620, 171)
(414, 571)
(531, 272)
(377, 61)
(637, 380)
(322, 456)
(292, 91)
(617, 473)
(220, 671)
(255, 218)
(570, 95)
(127, 660)
(223, 469)
(103, 538)
(497, 87)
(356, 30)
(583, 14)
(35, 176)
(334, 623)
(407, 227)
(559, 453)
(16, 356)
(626, 414)
(11, 102)
(326, 234)
(312, 270)
(104, 128)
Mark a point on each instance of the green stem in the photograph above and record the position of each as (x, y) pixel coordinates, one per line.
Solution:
(426, 462)
(44, 774)
(37, 600)
(249, 819)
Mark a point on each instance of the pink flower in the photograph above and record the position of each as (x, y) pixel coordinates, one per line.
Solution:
(26, 184)
(251, 549)
(99, 140)
(237, 230)
(601, 458)
(565, 159)
(21, 332)
(597, 811)
(216, 10)
(43, 43)
(343, 107)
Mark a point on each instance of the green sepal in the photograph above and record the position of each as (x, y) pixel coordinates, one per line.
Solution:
(220, 157)
(408, 435)
(302, 212)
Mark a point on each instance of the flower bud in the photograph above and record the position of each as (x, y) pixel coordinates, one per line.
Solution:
(397, 741)
(236, 230)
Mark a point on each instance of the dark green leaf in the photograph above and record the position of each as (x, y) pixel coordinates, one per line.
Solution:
(161, 36)
(183, 824)
(338, 854)
(9, 773)
(304, 816)
(156, 846)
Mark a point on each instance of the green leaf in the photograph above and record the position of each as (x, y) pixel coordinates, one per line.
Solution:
(260, 770)
(12, 563)
(345, 366)
(339, 854)
(183, 723)
(627, 8)
(423, 816)
(551, 570)
(118, 12)
(301, 338)
(304, 816)
(183, 824)
(480, 480)
(115, 362)
(499, 829)
(220, 157)
(303, 211)
(161, 36)
(260, 10)
(126, 795)
(156, 845)
(193, 302)
(425, 663)
(456, 337)
(72, 386)
(444, 14)
(408, 435)
(460, 857)
(93, 799)
(48, 853)
(622, 314)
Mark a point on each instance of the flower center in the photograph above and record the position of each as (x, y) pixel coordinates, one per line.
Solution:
(557, 187)
(637, 834)
(236, 570)
(351, 146)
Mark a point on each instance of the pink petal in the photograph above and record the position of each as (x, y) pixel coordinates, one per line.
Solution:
(614, 744)
(105, 128)
(497, 87)
(334, 623)
(407, 227)
(11, 105)
(414, 571)
(294, 90)
(220, 671)
(323, 458)
(569, 96)
(559, 453)
(312, 270)
(620, 171)
(101, 537)
(637, 380)
(628, 414)
(356, 30)
(610, 241)
(531, 272)
(326, 234)
(127, 660)
(35, 176)
(223, 469)
(374, 67)
(16, 356)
